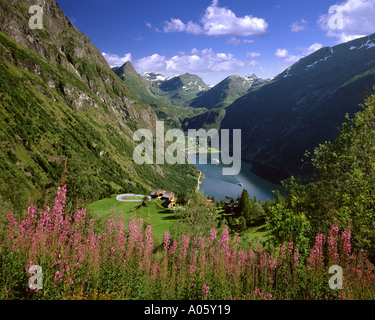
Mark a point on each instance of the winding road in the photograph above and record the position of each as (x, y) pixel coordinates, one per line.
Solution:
(121, 196)
(199, 184)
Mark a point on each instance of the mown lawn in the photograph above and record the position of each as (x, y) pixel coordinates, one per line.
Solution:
(161, 218)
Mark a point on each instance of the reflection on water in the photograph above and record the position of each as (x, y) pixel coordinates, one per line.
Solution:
(217, 185)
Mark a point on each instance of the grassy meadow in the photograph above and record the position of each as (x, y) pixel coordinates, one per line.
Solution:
(154, 213)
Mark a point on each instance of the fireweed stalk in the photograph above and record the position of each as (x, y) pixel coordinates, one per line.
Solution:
(123, 263)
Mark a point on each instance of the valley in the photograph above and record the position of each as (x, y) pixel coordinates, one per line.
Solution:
(314, 96)
(102, 192)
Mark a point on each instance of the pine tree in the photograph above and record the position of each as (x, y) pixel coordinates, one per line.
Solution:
(244, 206)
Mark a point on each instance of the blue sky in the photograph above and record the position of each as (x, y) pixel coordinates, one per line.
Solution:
(217, 38)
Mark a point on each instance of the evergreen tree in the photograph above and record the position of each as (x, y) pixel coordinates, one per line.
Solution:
(244, 206)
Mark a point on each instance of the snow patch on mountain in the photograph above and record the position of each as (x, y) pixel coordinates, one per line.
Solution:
(152, 76)
(368, 44)
(320, 60)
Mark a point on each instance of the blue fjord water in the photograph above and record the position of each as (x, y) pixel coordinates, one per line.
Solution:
(217, 185)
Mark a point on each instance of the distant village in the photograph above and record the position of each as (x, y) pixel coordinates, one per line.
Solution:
(167, 196)
(230, 205)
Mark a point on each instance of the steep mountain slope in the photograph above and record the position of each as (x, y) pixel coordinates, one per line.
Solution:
(227, 91)
(303, 106)
(134, 83)
(210, 119)
(141, 88)
(60, 100)
(180, 90)
(218, 98)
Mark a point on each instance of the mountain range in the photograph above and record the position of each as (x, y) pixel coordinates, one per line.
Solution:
(60, 101)
(302, 107)
(184, 100)
(283, 117)
(227, 91)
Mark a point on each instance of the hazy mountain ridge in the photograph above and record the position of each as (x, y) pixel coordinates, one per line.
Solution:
(304, 105)
(146, 89)
(203, 105)
(227, 91)
(180, 89)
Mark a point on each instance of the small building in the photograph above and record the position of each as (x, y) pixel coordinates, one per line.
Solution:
(157, 193)
(230, 206)
(168, 196)
(227, 200)
(169, 204)
(154, 193)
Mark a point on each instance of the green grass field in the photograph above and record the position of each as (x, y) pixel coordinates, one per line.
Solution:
(161, 218)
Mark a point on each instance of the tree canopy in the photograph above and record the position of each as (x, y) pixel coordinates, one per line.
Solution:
(342, 190)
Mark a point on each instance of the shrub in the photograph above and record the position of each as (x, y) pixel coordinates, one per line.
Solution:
(124, 263)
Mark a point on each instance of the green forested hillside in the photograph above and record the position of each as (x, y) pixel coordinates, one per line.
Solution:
(59, 100)
(149, 92)
(341, 191)
(304, 105)
(227, 91)
(218, 98)
(180, 89)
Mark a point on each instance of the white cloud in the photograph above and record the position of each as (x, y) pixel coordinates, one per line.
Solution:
(309, 50)
(114, 60)
(253, 54)
(281, 53)
(153, 63)
(298, 26)
(197, 61)
(357, 20)
(234, 41)
(290, 59)
(151, 27)
(218, 21)
(193, 28)
(175, 25)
